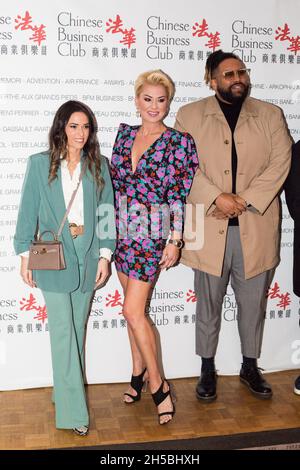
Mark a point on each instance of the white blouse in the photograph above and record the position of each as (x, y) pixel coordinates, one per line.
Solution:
(69, 184)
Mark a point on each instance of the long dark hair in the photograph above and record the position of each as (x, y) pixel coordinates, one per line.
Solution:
(58, 140)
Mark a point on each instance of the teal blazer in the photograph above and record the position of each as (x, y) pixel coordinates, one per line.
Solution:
(43, 205)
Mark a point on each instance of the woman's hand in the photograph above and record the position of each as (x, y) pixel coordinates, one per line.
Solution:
(102, 272)
(169, 257)
(26, 274)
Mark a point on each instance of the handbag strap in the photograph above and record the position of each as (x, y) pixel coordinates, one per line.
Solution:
(72, 199)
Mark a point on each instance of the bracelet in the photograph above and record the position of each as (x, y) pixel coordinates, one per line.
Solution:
(178, 243)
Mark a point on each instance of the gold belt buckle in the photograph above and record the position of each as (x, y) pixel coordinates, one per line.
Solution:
(70, 226)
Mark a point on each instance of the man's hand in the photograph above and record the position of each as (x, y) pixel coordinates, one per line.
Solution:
(218, 214)
(230, 205)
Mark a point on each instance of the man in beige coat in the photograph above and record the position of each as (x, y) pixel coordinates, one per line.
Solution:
(244, 155)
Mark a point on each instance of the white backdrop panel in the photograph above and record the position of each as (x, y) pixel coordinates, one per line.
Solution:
(93, 51)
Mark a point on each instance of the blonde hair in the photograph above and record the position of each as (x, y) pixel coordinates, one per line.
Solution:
(155, 77)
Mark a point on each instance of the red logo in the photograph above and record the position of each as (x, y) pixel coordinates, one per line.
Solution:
(201, 30)
(284, 34)
(116, 27)
(114, 300)
(25, 23)
(30, 304)
(284, 299)
(191, 296)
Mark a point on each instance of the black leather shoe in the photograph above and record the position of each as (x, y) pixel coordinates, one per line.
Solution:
(297, 386)
(252, 377)
(207, 386)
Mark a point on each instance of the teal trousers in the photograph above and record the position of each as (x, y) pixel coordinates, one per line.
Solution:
(67, 317)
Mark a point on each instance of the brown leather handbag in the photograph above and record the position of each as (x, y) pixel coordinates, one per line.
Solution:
(44, 254)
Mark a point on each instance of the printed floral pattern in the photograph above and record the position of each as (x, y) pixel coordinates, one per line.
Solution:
(155, 192)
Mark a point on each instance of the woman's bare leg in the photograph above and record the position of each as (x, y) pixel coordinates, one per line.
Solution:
(136, 295)
(138, 364)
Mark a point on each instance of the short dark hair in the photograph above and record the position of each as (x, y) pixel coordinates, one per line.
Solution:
(214, 61)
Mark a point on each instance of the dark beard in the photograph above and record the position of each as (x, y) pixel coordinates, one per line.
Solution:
(234, 99)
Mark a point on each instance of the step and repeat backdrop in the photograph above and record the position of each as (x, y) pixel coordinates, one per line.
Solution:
(92, 52)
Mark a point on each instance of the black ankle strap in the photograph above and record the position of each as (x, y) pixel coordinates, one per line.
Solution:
(159, 396)
(137, 381)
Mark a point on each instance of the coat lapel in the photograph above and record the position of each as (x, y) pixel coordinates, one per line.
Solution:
(247, 111)
(57, 198)
(89, 206)
(53, 194)
(213, 108)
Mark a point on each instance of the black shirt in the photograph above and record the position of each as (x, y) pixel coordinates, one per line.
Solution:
(231, 113)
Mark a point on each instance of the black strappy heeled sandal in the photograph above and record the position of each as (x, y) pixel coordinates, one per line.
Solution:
(137, 383)
(81, 430)
(159, 396)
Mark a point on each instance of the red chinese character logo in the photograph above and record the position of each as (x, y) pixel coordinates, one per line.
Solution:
(274, 291)
(201, 30)
(116, 27)
(39, 34)
(214, 41)
(295, 44)
(42, 314)
(191, 296)
(284, 299)
(114, 300)
(25, 23)
(30, 304)
(283, 34)
(129, 37)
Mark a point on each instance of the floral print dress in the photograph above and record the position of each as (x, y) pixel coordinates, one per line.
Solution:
(150, 201)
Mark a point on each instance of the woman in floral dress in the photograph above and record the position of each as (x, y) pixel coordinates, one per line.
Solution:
(152, 172)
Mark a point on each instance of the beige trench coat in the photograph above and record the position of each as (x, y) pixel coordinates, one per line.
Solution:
(263, 147)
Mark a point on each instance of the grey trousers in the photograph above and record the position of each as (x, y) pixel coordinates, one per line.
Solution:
(250, 296)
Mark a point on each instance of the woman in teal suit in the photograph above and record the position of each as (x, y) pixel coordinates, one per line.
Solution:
(88, 239)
